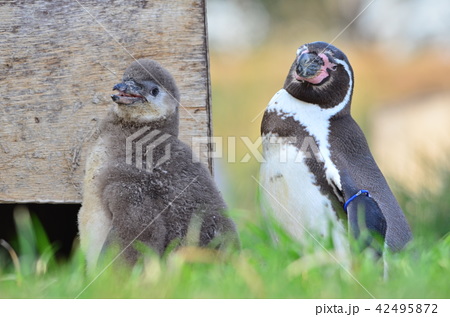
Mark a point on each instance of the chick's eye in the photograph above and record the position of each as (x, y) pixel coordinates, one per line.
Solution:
(154, 92)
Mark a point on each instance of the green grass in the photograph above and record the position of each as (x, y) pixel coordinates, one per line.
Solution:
(263, 269)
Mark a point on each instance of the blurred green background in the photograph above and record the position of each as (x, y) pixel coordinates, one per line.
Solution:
(399, 51)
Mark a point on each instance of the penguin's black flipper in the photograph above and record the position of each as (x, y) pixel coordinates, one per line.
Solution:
(366, 221)
(358, 170)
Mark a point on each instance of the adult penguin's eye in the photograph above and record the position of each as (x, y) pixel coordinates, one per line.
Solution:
(155, 92)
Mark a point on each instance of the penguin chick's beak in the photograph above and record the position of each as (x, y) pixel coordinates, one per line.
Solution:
(128, 93)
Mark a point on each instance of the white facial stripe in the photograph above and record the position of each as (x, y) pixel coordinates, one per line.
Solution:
(316, 121)
(301, 49)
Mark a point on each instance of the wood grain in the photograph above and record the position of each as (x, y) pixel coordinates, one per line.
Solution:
(58, 63)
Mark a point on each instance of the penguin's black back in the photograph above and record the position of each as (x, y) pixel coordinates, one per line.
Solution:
(350, 151)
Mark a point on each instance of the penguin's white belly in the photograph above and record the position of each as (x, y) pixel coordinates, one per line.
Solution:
(291, 196)
(93, 221)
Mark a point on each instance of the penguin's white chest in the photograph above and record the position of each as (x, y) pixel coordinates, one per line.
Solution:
(290, 191)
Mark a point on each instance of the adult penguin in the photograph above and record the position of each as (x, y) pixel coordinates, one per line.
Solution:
(318, 174)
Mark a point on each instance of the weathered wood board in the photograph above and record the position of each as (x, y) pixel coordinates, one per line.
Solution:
(58, 63)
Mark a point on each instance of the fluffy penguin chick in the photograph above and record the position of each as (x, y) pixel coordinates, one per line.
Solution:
(319, 175)
(141, 183)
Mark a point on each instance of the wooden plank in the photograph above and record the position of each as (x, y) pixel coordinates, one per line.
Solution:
(58, 63)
